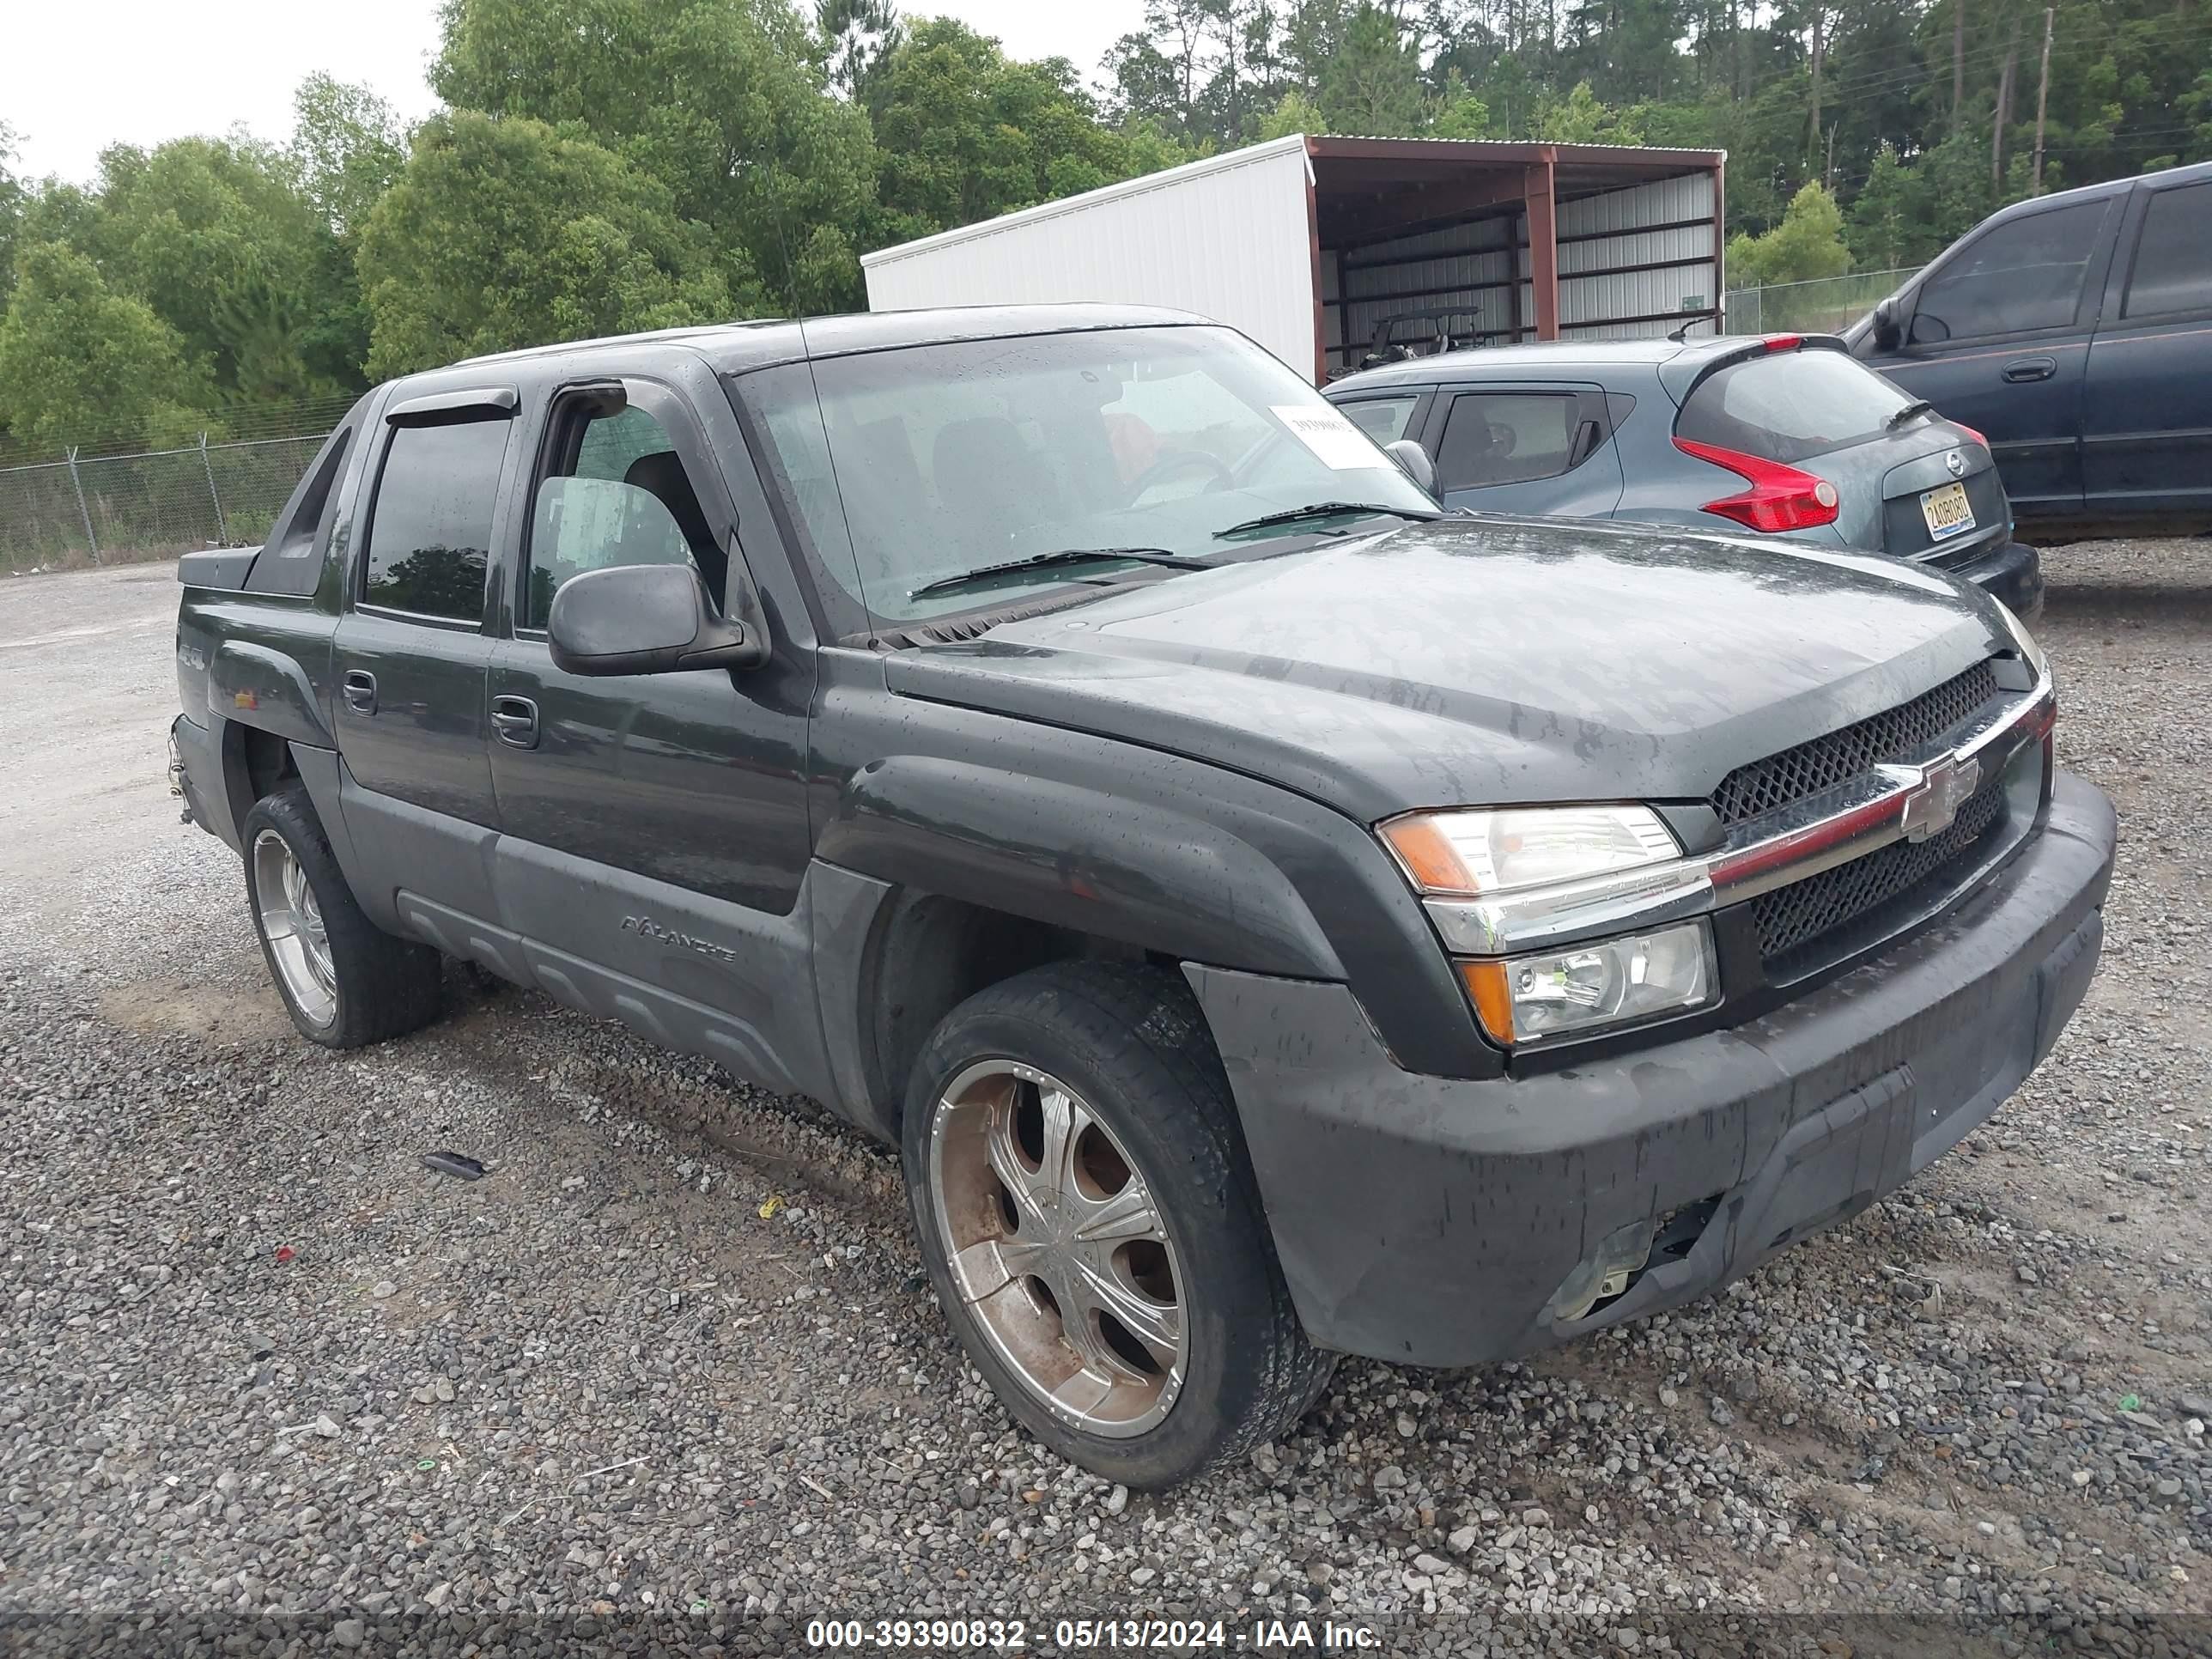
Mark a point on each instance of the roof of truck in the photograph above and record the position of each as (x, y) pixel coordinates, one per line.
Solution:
(740, 345)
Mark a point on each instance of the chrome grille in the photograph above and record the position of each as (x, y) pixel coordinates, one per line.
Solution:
(1793, 920)
(1895, 734)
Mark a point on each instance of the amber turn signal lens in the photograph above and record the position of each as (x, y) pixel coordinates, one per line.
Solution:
(1493, 1002)
(1429, 856)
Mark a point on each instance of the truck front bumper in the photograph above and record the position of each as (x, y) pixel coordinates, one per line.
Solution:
(1434, 1220)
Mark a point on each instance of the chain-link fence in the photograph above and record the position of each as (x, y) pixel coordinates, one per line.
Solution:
(1825, 304)
(154, 503)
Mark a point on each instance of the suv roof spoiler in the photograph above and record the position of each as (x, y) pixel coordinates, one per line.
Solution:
(1681, 374)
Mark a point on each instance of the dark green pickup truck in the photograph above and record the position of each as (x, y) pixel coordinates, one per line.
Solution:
(1276, 919)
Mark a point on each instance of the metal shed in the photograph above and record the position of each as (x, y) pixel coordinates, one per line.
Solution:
(1311, 245)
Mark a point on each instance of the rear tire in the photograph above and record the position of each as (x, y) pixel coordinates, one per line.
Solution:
(1071, 1147)
(344, 981)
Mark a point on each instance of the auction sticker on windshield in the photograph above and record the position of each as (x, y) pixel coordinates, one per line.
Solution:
(1337, 442)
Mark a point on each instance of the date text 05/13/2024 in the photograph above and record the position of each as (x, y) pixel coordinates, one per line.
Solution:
(1068, 1635)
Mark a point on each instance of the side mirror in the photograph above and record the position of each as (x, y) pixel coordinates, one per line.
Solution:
(1888, 333)
(646, 619)
(1929, 330)
(1415, 460)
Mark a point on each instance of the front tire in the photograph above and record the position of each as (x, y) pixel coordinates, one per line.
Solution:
(344, 981)
(1087, 1216)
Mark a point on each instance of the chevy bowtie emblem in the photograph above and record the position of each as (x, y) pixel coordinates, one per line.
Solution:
(1932, 803)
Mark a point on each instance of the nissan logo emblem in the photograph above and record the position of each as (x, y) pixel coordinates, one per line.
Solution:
(1957, 463)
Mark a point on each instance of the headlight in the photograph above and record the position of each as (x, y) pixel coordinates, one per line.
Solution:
(1494, 878)
(1480, 852)
(1585, 988)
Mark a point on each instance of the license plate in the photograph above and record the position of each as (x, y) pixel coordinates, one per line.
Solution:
(1947, 510)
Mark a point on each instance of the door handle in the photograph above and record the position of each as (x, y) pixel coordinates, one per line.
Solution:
(515, 720)
(361, 690)
(2029, 368)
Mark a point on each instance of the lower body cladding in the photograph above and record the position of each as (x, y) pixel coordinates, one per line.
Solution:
(1446, 1222)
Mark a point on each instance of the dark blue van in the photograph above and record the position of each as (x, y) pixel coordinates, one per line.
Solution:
(2075, 333)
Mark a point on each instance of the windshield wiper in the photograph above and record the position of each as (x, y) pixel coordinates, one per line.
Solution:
(1911, 411)
(1066, 555)
(1322, 510)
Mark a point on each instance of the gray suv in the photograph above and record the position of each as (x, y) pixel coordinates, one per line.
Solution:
(1785, 436)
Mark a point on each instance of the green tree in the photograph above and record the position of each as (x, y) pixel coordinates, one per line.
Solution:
(1580, 118)
(1804, 92)
(221, 239)
(1458, 113)
(725, 102)
(349, 146)
(1808, 243)
(967, 134)
(13, 197)
(56, 211)
(1880, 227)
(1145, 84)
(506, 233)
(82, 364)
(1295, 113)
(1372, 85)
(861, 34)
(2195, 107)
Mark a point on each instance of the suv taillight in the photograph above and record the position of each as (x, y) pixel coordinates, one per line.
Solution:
(1780, 497)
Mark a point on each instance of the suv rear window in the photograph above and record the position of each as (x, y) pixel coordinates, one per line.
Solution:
(1789, 405)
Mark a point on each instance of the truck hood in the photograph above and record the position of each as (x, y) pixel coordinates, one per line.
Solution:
(1482, 660)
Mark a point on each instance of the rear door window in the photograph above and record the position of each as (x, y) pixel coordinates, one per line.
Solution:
(2173, 254)
(2024, 274)
(1507, 437)
(430, 531)
(1789, 405)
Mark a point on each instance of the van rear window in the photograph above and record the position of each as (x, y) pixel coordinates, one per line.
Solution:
(1789, 405)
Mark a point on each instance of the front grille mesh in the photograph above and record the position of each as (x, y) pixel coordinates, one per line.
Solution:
(1895, 734)
(1798, 925)
(1793, 918)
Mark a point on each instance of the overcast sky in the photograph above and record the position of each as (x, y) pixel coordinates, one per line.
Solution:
(80, 75)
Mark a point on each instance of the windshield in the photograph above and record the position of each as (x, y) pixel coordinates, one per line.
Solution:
(933, 461)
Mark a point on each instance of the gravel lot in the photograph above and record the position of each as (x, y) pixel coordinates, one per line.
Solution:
(670, 1373)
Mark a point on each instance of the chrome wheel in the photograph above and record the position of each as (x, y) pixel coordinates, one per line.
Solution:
(292, 922)
(1055, 1244)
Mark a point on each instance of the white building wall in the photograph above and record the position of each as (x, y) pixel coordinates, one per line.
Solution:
(1226, 237)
